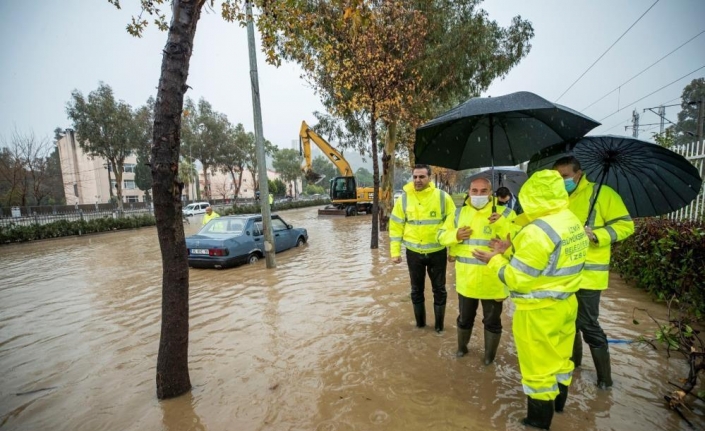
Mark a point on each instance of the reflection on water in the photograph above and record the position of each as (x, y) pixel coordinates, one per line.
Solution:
(325, 342)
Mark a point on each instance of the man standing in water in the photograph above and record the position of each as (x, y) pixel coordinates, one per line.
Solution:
(608, 223)
(414, 222)
(542, 276)
(472, 228)
(209, 215)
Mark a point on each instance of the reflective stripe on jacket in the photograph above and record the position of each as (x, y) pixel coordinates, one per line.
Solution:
(549, 252)
(473, 279)
(416, 218)
(610, 221)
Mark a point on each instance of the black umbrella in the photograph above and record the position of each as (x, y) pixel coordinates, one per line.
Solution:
(651, 180)
(505, 130)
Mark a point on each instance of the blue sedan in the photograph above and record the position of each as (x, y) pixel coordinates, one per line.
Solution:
(232, 240)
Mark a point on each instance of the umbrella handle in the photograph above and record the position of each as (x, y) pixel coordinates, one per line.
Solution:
(597, 194)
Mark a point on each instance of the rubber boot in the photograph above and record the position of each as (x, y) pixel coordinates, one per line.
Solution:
(540, 413)
(491, 343)
(577, 357)
(601, 356)
(463, 340)
(440, 313)
(562, 397)
(420, 314)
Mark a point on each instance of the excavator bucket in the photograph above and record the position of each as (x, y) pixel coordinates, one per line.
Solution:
(311, 176)
(332, 211)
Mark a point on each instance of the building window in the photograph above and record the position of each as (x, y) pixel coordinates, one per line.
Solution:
(129, 167)
(128, 184)
(75, 190)
(132, 199)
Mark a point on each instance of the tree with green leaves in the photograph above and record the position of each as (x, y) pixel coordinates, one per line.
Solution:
(143, 173)
(105, 128)
(323, 167)
(234, 153)
(287, 162)
(686, 130)
(364, 177)
(207, 131)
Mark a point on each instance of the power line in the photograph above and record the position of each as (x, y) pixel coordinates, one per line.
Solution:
(656, 91)
(629, 119)
(652, 65)
(608, 49)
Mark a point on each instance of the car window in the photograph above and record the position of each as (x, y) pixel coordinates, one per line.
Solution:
(258, 229)
(277, 225)
(189, 207)
(216, 226)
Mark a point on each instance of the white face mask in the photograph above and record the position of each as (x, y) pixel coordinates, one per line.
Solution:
(479, 201)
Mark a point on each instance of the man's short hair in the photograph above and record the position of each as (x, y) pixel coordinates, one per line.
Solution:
(568, 160)
(427, 167)
(503, 192)
(487, 181)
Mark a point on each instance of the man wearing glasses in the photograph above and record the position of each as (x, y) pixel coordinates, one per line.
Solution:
(415, 220)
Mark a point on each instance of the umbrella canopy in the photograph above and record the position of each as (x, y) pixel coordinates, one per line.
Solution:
(651, 180)
(504, 176)
(505, 130)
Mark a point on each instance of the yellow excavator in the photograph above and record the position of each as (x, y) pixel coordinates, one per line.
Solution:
(346, 198)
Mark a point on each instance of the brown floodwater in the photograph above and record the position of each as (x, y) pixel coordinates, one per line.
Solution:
(326, 341)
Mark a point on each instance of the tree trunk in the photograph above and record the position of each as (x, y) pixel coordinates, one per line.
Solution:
(172, 362)
(388, 175)
(206, 183)
(118, 183)
(374, 244)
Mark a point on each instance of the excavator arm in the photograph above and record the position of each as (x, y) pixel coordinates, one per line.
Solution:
(306, 135)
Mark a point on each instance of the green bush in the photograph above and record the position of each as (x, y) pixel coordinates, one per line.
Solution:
(255, 208)
(666, 258)
(21, 233)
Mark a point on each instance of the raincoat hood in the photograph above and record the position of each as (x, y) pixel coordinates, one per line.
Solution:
(543, 194)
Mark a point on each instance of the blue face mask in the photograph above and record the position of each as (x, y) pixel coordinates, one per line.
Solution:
(570, 185)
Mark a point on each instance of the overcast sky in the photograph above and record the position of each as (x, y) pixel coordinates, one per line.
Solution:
(51, 47)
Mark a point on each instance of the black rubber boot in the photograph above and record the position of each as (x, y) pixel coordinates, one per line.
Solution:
(463, 340)
(420, 314)
(491, 343)
(577, 357)
(601, 356)
(562, 397)
(540, 413)
(440, 313)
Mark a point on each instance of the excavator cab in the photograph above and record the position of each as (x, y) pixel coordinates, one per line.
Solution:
(343, 188)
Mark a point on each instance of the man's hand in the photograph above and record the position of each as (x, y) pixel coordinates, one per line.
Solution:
(590, 234)
(494, 217)
(463, 233)
(396, 259)
(484, 256)
(500, 246)
(451, 258)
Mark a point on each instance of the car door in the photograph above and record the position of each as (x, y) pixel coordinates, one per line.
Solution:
(283, 238)
(258, 234)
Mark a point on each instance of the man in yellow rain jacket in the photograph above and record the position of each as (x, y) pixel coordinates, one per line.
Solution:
(472, 228)
(542, 276)
(414, 222)
(608, 223)
(209, 215)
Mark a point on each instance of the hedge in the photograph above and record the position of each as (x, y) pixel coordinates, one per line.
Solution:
(20, 233)
(666, 258)
(280, 206)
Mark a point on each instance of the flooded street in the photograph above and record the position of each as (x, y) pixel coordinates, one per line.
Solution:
(325, 342)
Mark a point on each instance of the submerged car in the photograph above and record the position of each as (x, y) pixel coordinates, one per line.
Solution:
(237, 239)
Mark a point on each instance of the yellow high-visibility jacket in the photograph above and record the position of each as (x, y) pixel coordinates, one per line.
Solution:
(207, 218)
(549, 252)
(610, 221)
(416, 218)
(473, 279)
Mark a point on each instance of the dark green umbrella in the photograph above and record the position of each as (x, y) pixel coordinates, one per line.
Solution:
(489, 131)
(651, 180)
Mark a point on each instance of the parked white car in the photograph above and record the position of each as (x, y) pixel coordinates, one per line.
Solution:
(196, 208)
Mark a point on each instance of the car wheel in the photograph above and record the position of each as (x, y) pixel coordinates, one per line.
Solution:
(300, 242)
(252, 258)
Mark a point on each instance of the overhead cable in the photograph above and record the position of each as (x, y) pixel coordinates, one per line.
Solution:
(652, 65)
(608, 49)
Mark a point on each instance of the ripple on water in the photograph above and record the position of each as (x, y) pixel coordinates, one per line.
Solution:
(379, 417)
(332, 425)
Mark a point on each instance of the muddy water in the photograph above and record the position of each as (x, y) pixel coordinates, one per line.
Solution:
(324, 342)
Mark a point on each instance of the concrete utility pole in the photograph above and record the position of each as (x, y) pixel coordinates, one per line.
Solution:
(259, 144)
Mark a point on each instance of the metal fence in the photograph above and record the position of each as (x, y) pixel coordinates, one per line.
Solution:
(695, 153)
(26, 216)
